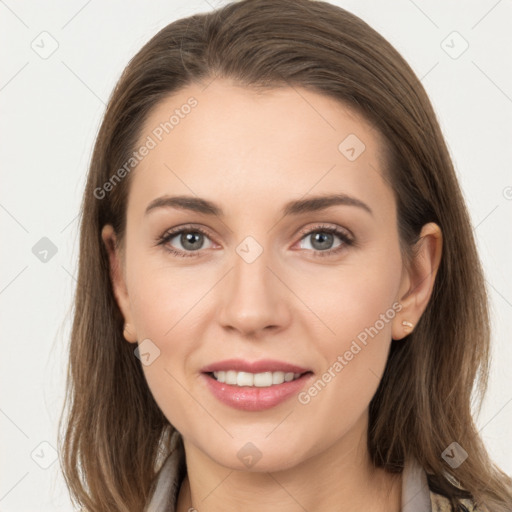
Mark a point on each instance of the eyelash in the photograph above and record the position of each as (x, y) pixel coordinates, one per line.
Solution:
(342, 234)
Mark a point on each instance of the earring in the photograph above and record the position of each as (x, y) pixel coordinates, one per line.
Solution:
(407, 326)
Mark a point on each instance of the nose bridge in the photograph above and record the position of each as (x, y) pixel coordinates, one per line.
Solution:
(253, 297)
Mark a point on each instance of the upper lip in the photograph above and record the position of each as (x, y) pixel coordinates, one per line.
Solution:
(264, 365)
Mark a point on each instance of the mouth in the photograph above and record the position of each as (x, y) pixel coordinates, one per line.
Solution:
(255, 385)
(258, 380)
(254, 392)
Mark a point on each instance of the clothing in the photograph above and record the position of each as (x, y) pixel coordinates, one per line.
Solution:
(416, 495)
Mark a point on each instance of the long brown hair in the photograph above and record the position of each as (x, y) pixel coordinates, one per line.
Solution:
(115, 435)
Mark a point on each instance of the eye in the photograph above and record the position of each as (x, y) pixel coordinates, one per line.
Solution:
(322, 239)
(190, 238)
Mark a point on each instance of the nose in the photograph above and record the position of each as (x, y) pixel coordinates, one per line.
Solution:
(254, 297)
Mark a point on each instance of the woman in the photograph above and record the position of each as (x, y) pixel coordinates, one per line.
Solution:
(279, 302)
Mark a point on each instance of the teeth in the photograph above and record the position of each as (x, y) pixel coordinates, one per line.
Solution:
(259, 380)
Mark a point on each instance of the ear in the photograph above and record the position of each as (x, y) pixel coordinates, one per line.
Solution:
(418, 280)
(118, 281)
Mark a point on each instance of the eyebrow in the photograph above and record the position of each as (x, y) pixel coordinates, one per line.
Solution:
(297, 207)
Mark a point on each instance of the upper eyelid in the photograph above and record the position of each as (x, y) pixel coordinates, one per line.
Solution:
(172, 232)
(326, 226)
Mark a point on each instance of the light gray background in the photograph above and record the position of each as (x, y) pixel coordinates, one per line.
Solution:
(51, 109)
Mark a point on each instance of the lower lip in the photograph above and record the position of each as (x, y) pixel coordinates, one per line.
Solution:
(248, 398)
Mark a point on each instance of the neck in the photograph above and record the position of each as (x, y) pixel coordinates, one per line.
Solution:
(339, 478)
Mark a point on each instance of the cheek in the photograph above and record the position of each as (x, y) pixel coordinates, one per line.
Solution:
(351, 297)
(162, 309)
(166, 304)
(162, 319)
(359, 311)
(162, 296)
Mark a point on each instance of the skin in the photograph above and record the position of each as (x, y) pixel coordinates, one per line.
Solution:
(251, 153)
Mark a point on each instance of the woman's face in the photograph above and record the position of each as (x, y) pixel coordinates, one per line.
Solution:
(267, 280)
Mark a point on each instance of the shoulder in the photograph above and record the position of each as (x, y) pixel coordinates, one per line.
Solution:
(424, 492)
(441, 503)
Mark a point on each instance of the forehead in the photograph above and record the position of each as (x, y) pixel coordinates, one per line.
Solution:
(229, 141)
